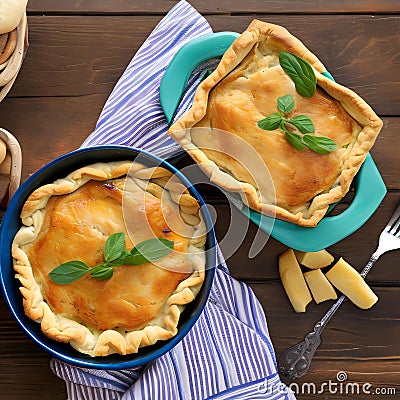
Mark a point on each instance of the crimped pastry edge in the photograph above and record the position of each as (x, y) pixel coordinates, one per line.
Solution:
(63, 329)
(281, 38)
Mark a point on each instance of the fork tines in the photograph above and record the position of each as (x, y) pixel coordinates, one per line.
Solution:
(394, 223)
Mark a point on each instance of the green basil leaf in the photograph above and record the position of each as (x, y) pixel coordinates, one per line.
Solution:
(102, 274)
(68, 272)
(319, 144)
(301, 73)
(271, 122)
(98, 268)
(114, 247)
(115, 255)
(120, 260)
(135, 258)
(294, 139)
(302, 123)
(149, 250)
(285, 103)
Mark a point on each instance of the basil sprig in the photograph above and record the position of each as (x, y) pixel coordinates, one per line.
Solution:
(115, 254)
(285, 103)
(319, 144)
(303, 124)
(69, 272)
(301, 73)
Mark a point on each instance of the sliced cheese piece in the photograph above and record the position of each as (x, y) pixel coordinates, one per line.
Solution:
(320, 287)
(346, 279)
(314, 260)
(293, 281)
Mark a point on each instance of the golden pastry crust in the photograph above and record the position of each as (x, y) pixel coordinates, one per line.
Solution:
(71, 219)
(242, 90)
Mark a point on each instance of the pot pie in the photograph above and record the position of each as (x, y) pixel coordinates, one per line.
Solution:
(243, 90)
(71, 219)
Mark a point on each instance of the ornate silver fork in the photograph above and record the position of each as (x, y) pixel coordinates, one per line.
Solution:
(296, 360)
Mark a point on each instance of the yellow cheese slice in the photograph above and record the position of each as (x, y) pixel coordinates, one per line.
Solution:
(346, 279)
(320, 287)
(293, 281)
(314, 260)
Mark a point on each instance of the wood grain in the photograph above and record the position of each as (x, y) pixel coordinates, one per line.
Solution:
(63, 122)
(351, 343)
(209, 7)
(76, 56)
(265, 264)
(79, 49)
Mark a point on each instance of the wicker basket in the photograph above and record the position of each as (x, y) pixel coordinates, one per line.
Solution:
(10, 68)
(10, 166)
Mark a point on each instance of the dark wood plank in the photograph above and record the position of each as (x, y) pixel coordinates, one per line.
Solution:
(47, 128)
(60, 124)
(75, 56)
(351, 335)
(362, 343)
(79, 55)
(71, 67)
(24, 367)
(366, 378)
(352, 342)
(385, 154)
(207, 7)
(356, 249)
(51, 128)
(347, 47)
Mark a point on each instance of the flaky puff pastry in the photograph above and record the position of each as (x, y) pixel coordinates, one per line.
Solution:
(72, 218)
(244, 89)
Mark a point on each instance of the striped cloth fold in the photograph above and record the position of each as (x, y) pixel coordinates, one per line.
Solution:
(228, 353)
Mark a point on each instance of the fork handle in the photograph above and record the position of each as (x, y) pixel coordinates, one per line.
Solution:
(370, 263)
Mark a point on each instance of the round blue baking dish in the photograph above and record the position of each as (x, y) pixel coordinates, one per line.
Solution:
(11, 223)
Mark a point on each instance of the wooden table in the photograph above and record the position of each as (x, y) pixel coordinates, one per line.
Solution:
(78, 50)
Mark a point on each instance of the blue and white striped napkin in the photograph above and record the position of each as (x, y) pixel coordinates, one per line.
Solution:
(228, 353)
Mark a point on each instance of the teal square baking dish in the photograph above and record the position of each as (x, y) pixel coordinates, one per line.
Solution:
(369, 188)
